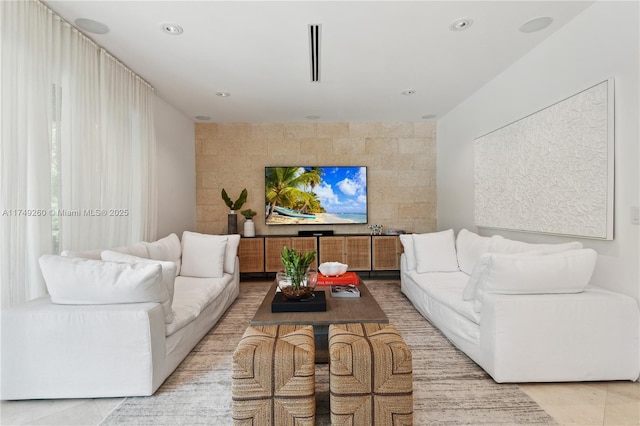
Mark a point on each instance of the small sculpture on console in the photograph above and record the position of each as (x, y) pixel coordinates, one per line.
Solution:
(375, 229)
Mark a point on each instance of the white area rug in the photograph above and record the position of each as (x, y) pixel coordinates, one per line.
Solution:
(449, 388)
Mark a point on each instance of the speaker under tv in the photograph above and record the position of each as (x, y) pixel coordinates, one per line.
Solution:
(311, 195)
(321, 233)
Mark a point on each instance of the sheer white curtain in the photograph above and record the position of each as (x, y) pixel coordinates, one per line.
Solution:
(77, 149)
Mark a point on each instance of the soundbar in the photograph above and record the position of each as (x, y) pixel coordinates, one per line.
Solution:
(320, 233)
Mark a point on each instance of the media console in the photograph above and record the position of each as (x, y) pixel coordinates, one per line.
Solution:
(362, 252)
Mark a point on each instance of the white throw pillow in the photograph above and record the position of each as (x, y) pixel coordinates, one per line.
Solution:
(167, 248)
(435, 252)
(168, 275)
(78, 281)
(567, 271)
(469, 247)
(409, 253)
(203, 255)
(230, 253)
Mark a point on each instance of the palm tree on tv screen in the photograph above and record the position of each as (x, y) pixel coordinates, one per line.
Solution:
(284, 186)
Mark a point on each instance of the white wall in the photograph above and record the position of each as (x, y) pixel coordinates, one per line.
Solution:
(601, 42)
(175, 136)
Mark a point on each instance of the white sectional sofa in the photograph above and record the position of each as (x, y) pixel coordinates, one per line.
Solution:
(523, 312)
(117, 322)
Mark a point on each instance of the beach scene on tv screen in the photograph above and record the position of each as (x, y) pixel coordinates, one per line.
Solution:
(315, 195)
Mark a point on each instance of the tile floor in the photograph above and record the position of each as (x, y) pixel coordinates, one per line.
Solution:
(584, 404)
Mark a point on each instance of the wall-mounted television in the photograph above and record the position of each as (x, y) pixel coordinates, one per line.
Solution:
(315, 195)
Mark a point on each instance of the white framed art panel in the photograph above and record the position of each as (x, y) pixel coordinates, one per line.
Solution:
(552, 171)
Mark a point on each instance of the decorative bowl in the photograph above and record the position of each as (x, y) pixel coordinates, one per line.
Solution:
(331, 269)
(302, 291)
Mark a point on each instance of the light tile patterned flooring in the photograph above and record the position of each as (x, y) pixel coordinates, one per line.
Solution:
(584, 404)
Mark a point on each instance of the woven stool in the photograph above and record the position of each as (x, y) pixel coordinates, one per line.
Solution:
(273, 377)
(371, 376)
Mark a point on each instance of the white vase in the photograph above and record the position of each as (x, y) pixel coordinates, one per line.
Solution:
(249, 228)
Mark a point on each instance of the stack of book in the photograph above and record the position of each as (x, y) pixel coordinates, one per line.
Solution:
(348, 278)
(345, 285)
(349, 290)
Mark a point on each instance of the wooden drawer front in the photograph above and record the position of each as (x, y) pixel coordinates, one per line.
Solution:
(386, 253)
(358, 253)
(251, 254)
(273, 250)
(332, 249)
(305, 244)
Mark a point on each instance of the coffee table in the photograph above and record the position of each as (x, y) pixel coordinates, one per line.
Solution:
(340, 310)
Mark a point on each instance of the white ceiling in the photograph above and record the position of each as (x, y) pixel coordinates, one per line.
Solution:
(370, 53)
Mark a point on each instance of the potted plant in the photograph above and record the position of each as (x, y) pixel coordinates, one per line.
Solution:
(296, 282)
(249, 226)
(232, 221)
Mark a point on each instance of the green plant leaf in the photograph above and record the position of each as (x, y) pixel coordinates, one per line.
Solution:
(226, 199)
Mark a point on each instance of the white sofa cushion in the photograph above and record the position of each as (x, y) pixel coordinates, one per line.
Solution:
(409, 252)
(511, 247)
(136, 249)
(568, 271)
(78, 281)
(193, 295)
(469, 247)
(230, 253)
(505, 245)
(435, 252)
(85, 254)
(203, 255)
(167, 249)
(168, 275)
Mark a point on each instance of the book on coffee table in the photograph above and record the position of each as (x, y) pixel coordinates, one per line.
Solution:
(348, 278)
(345, 291)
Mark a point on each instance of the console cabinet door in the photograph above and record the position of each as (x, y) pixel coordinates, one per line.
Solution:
(273, 249)
(251, 254)
(386, 252)
(358, 253)
(355, 251)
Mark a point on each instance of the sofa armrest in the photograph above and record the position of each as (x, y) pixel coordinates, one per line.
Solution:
(593, 335)
(73, 351)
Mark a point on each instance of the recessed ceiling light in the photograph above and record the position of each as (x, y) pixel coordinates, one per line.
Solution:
(91, 26)
(223, 94)
(203, 117)
(461, 24)
(536, 24)
(172, 29)
(408, 92)
(429, 116)
(312, 116)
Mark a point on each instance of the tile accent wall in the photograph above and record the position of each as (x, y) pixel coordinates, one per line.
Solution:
(400, 159)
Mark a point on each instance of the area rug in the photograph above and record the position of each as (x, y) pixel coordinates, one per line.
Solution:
(449, 388)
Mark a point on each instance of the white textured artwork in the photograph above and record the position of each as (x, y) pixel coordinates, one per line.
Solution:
(552, 171)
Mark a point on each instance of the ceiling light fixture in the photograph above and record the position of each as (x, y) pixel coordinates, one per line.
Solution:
(536, 24)
(91, 26)
(172, 29)
(312, 116)
(223, 94)
(408, 92)
(203, 118)
(429, 116)
(461, 24)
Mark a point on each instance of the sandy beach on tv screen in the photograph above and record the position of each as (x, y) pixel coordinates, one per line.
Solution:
(321, 218)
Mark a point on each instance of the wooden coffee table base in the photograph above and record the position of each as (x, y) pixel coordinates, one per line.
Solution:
(345, 310)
